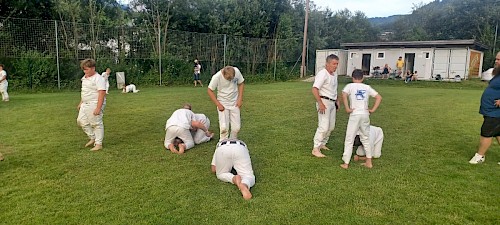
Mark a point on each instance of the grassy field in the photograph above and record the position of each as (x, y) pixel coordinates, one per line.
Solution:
(423, 177)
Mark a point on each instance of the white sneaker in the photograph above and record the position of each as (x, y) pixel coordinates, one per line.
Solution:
(477, 159)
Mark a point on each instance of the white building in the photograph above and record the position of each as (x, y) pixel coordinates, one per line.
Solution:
(448, 58)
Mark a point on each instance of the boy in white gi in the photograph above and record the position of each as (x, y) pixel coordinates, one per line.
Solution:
(229, 85)
(198, 135)
(3, 84)
(325, 93)
(230, 154)
(376, 140)
(105, 75)
(129, 88)
(179, 125)
(359, 116)
(91, 107)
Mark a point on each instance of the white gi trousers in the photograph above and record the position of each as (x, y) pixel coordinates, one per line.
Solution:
(229, 119)
(180, 132)
(357, 123)
(326, 123)
(3, 90)
(200, 136)
(91, 124)
(376, 141)
(231, 154)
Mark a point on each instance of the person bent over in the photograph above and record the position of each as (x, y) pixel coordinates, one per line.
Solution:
(231, 154)
(199, 135)
(376, 138)
(129, 88)
(229, 85)
(180, 125)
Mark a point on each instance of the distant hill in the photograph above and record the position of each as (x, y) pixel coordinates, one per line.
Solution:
(383, 21)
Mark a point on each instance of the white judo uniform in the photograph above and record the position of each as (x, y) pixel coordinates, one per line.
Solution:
(130, 88)
(376, 138)
(91, 124)
(227, 95)
(359, 119)
(105, 75)
(179, 125)
(233, 154)
(326, 84)
(199, 135)
(4, 84)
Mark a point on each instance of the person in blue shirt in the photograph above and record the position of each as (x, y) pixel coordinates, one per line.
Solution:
(490, 109)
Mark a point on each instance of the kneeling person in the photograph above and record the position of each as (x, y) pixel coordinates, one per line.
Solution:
(376, 138)
(199, 135)
(179, 125)
(234, 153)
(129, 88)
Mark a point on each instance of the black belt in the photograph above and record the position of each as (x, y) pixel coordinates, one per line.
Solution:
(324, 97)
(231, 142)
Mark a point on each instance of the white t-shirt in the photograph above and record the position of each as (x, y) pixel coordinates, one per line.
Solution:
(197, 68)
(130, 88)
(326, 83)
(3, 74)
(202, 119)
(227, 90)
(91, 87)
(105, 75)
(181, 118)
(358, 97)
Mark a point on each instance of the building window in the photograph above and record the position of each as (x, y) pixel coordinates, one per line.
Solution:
(427, 55)
(353, 55)
(380, 55)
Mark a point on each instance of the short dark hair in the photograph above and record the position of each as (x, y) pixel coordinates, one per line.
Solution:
(357, 74)
(332, 57)
(1, 65)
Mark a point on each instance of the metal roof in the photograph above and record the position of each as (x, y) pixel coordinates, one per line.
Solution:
(417, 44)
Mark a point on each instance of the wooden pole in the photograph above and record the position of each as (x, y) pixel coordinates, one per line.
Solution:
(304, 43)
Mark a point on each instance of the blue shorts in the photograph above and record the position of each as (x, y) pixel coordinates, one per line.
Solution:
(196, 76)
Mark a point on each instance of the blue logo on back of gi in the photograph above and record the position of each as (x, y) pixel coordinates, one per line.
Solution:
(360, 94)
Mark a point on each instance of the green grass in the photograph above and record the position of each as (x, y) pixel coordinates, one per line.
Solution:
(423, 177)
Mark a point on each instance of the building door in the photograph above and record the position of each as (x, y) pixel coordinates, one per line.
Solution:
(365, 63)
(409, 62)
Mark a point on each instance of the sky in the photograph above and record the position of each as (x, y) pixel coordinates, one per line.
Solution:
(371, 8)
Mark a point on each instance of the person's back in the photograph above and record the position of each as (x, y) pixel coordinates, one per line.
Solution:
(181, 118)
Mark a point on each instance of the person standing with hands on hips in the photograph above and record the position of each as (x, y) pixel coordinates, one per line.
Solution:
(91, 107)
(229, 85)
(359, 116)
(324, 91)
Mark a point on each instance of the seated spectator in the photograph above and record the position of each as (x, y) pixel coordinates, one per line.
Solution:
(415, 76)
(408, 76)
(385, 72)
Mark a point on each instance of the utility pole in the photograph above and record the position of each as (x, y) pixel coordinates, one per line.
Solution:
(495, 42)
(304, 43)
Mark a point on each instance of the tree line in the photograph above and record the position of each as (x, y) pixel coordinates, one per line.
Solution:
(263, 19)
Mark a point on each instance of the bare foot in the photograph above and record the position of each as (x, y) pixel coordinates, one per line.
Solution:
(1, 157)
(245, 192)
(356, 158)
(96, 148)
(368, 163)
(316, 152)
(323, 147)
(90, 143)
(344, 166)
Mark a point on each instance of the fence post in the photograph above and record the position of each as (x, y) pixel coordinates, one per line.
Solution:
(225, 49)
(275, 55)
(159, 49)
(57, 57)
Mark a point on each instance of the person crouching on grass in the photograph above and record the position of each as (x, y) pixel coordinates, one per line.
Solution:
(359, 116)
(92, 103)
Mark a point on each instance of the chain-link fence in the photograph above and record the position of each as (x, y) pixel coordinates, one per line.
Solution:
(40, 54)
